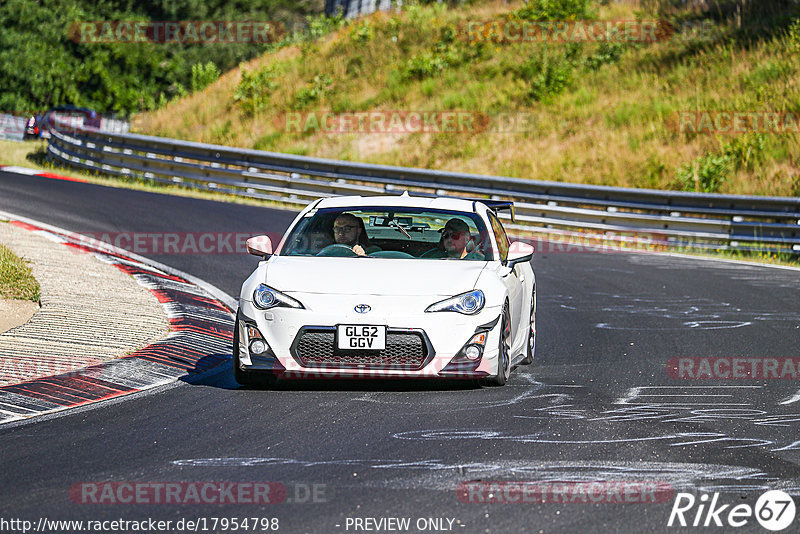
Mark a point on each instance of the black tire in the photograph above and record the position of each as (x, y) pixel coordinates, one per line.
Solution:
(531, 349)
(243, 377)
(503, 357)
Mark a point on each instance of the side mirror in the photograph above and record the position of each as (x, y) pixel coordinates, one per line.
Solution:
(259, 245)
(518, 252)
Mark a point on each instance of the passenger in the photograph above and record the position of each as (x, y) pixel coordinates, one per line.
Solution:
(349, 230)
(454, 242)
(318, 239)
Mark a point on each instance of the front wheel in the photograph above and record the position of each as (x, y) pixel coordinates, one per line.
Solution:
(503, 357)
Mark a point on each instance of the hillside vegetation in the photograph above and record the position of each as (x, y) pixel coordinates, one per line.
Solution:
(602, 112)
(43, 64)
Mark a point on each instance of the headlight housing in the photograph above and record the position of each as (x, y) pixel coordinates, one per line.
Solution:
(468, 303)
(265, 297)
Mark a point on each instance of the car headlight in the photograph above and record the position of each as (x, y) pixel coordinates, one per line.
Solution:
(468, 303)
(264, 298)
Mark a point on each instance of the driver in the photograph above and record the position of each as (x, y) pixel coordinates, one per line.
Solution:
(349, 230)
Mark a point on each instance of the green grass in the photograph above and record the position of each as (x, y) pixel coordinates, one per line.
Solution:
(771, 258)
(16, 279)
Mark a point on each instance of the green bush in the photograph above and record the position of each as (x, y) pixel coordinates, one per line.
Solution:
(320, 25)
(793, 36)
(254, 89)
(443, 54)
(542, 10)
(41, 66)
(314, 91)
(742, 153)
(361, 33)
(424, 65)
(204, 75)
(706, 174)
(606, 53)
(547, 74)
(747, 151)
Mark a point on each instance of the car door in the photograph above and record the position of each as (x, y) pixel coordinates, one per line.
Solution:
(512, 280)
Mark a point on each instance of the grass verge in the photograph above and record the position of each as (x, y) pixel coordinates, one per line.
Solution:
(16, 278)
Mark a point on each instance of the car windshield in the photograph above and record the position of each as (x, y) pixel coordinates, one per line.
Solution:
(388, 232)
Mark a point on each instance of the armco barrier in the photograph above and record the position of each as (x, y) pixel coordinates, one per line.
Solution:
(677, 218)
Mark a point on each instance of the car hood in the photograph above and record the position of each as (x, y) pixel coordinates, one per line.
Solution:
(372, 276)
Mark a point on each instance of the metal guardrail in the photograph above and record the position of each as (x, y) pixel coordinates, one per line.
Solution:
(73, 120)
(13, 127)
(666, 217)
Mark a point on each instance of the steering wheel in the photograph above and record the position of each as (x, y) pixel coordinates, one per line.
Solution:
(337, 250)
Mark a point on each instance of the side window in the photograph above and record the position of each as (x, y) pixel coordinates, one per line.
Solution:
(499, 235)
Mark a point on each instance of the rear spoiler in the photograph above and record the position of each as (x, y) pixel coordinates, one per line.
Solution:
(497, 205)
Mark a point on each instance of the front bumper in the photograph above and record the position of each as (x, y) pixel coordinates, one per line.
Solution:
(412, 351)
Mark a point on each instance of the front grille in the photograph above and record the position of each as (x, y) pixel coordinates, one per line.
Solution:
(405, 350)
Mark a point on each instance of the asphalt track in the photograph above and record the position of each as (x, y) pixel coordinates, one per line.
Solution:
(597, 404)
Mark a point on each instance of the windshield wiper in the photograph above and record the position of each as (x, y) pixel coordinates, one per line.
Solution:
(396, 225)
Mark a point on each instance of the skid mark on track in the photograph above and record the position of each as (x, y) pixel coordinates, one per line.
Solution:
(531, 388)
(794, 398)
(443, 475)
(686, 405)
(700, 325)
(633, 418)
(636, 312)
(679, 439)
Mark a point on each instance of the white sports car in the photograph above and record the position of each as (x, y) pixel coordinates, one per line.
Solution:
(388, 286)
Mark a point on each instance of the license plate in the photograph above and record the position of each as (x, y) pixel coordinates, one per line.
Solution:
(361, 337)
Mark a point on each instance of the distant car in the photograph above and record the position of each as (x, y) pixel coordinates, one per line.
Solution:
(68, 116)
(31, 129)
(407, 307)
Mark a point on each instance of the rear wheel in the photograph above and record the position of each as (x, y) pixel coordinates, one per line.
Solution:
(503, 357)
(531, 349)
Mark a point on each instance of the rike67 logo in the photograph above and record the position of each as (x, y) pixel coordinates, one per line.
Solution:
(774, 510)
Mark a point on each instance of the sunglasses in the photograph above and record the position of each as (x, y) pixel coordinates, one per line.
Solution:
(344, 228)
